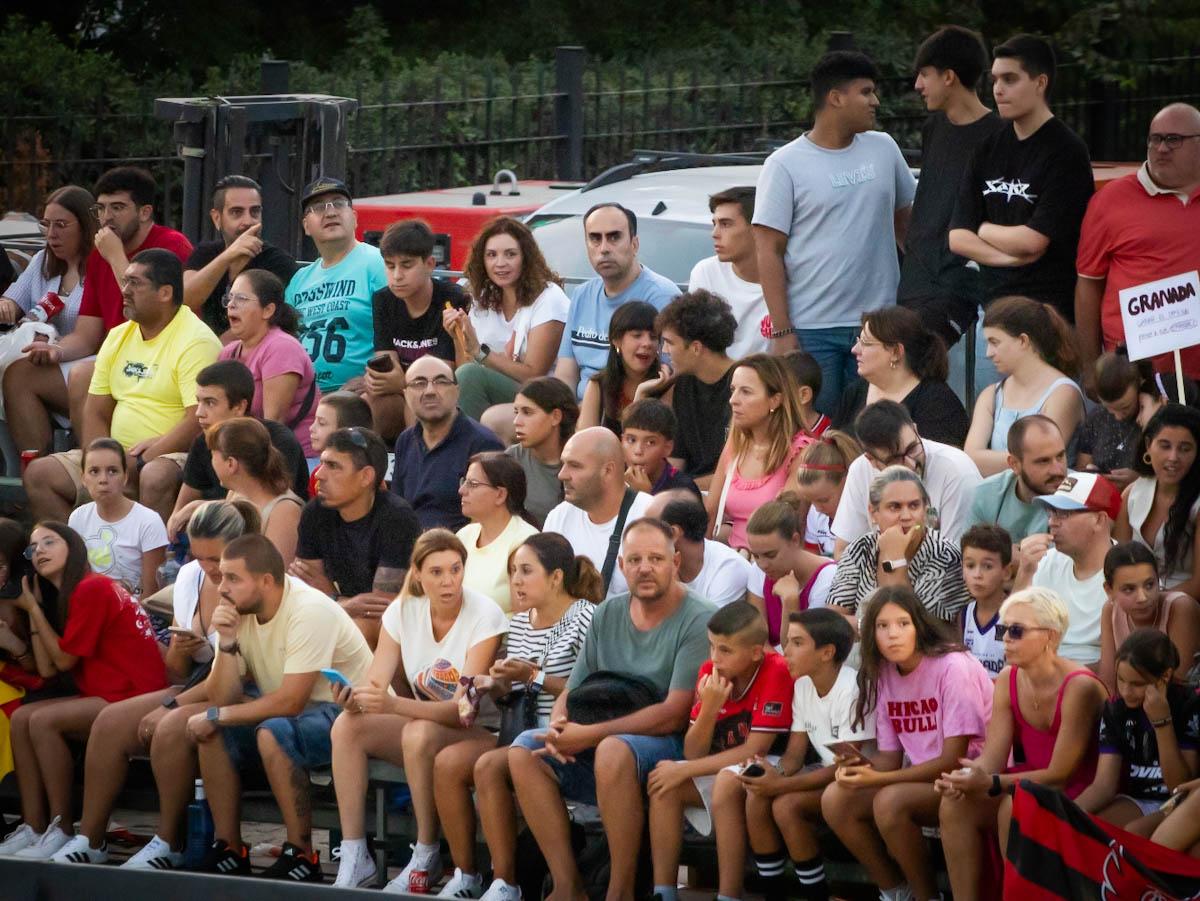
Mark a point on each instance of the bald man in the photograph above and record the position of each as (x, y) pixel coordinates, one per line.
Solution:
(597, 502)
(431, 457)
(1139, 229)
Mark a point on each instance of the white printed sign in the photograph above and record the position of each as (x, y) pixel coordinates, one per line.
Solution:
(1161, 316)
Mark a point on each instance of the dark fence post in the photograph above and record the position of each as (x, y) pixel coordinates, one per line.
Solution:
(1103, 116)
(568, 111)
(274, 76)
(841, 40)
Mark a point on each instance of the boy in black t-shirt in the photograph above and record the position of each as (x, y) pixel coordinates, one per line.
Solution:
(647, 439)
(933, 281)
(408, 321)
(1022, 201)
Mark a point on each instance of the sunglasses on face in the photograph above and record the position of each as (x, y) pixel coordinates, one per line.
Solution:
(1016, 631)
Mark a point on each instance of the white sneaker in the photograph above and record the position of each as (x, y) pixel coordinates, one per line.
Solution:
(500, 890)
(79, 850)
(418, 876)
(354, 870)
(47, 844)
(156, 855)
(462, 885)
(18, 840)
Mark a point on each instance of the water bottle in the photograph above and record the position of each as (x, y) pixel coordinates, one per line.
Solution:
(199, 830)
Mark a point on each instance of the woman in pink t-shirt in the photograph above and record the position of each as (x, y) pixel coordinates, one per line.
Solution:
(1047, 709)
(264, 329)
(931, 701)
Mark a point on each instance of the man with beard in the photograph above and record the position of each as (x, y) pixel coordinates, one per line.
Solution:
(275, 630)
(125, 210)
(595, 495)
(1037, 464)
(889, 438)
(431, 457)
(658, 632)
(237, 216)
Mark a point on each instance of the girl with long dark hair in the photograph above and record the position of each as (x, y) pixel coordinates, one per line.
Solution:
(632, 360)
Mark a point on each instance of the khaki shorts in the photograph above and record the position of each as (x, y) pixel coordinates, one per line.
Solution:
(72, 462)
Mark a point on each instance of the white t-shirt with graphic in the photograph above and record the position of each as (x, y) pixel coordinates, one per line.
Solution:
(115, 548)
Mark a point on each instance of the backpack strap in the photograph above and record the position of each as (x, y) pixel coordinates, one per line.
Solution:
(614, 540)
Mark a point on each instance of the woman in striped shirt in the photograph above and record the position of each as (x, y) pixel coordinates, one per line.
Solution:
(902, 551)
(555, 591)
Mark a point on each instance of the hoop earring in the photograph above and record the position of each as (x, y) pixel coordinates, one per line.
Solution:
(1146, 458)
(895, 364)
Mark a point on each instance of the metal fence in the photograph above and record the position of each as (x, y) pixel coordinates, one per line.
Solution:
(565, 119)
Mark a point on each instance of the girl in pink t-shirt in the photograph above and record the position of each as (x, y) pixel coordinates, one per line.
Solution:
(264, 327)
(931, 701)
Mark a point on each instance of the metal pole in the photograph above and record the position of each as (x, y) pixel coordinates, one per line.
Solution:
(274, 76)
(568, 111)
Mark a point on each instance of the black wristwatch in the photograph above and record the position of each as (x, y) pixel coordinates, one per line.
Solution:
(233, 648)
(997, 788)
(170, 702)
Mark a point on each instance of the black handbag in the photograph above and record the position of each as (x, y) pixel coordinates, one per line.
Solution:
(518, 712)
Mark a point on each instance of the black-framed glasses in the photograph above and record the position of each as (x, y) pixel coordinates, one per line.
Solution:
(472, 484)
(1016, 631)
(357, 438)
(912, 454)
(320, 209)
(1056, 513)
(440, 383)
(1171, 141)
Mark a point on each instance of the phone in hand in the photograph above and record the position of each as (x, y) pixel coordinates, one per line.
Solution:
(754, 770)
(381, 363)
(850, 751)
(336, 678)
(182, 632)
(1172, 802)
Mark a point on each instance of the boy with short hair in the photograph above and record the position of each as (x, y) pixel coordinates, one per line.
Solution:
(988, 572)
(647, 438)
(807, 370)
(741, 711)
(784, 803)
(339, 410)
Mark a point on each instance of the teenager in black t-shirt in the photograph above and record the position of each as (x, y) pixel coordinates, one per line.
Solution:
(933, 281)
(1023, 198)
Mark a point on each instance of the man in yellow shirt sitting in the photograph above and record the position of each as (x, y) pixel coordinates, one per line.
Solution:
(143, 391)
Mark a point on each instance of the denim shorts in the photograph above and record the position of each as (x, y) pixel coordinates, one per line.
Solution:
(304, 738)
(577, 781)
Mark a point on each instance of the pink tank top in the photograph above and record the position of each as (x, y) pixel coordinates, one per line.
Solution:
(775, 606)
(1122, 625)
(747, 495)
(1038, 745)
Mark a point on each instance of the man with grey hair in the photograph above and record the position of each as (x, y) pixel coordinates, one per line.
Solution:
(597, 502)
(1140, 229)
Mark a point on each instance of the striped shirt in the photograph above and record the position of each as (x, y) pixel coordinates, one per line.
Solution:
(935, 573)
(554, 649)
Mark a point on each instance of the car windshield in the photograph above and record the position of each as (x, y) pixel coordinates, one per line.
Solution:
(670, 248)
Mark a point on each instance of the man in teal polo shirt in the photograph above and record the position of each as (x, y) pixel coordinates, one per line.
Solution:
(1037, 464)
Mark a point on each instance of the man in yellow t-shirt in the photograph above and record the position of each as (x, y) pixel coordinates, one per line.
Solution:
(143, 390)
(281, 633)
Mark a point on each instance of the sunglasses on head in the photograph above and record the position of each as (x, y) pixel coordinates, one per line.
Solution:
(1016, 631)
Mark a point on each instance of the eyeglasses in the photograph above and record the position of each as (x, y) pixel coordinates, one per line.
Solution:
(862, 341)
(99, 209)
(1172, 141)
(1016, 631)
(472, 484)
(357, 438)
(1055, 513)
(912, 454)
(320, 209)
(35, 546)
(441, 383)
(229, 299)
(57, 225)
(134, 283)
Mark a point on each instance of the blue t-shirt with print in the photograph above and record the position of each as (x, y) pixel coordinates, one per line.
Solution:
(336, 324)
(585, 339)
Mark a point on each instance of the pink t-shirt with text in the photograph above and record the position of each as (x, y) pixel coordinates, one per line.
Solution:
(942, 698)
(279, 354)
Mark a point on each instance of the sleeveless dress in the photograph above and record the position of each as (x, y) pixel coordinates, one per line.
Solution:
(747, 495)
(1033, 747)
(774, 605)
(1003, 417)
(1138, 504)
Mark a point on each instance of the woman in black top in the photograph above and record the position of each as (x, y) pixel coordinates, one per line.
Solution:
(899, 359)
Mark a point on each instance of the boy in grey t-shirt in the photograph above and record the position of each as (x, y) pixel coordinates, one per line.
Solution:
(657, 631)
(830, 208)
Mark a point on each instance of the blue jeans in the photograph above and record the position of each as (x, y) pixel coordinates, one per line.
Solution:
(577, 781)
(830, 347)
(304, 738)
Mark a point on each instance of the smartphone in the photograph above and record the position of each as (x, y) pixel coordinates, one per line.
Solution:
(180, 630)
(336, 678)
(1172, 802)
(381, 363)
(852, 750)
(754, 770)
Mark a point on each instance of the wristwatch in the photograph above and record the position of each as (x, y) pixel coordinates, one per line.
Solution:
(997, 788)
(234, 648)
(170, 702)
(213, 715)
(890, 566)
(482, 353)
(536, 680)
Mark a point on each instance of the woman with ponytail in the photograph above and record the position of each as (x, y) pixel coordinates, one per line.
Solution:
(555, 591)
(1033, 349)
(820, 479)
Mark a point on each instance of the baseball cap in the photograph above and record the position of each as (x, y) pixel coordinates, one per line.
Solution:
(1085, 491)
(323, 184)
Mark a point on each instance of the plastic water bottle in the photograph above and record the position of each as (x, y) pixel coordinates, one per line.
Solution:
(199, 830)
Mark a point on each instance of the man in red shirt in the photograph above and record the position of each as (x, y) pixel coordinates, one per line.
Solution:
(1141, 228)
(36, 386)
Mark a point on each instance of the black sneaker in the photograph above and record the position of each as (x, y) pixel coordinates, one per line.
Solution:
(225, 860)
(295, 865)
